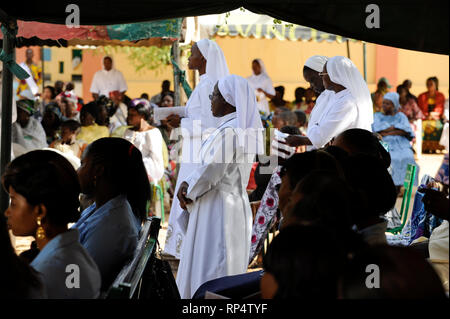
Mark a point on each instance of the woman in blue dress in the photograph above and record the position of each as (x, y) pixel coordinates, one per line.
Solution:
(396, 131)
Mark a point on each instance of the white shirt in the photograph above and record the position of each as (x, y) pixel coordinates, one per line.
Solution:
(340, 114)
(261, 81)
(107, 81)
(151, 146)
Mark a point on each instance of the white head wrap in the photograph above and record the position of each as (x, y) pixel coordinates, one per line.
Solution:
(216, 65)
(263, 67)
(343, 71)
(394, 98)
(237, 92)
(316, 62)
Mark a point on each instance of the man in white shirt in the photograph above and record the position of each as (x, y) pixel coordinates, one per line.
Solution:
(108, 80)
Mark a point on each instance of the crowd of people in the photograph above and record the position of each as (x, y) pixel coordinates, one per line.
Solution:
(82, 178)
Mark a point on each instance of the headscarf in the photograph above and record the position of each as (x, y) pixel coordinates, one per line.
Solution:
(144, 102)
(343, 71)
(394, 98)
(316, 62)
(237, 91)
(263, 67)
(53, 107)
(216, 65)
(26, 105)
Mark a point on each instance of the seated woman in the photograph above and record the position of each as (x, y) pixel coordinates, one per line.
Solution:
(288, 175)
(408, 106)
(68, 142)
(44, 192)
(394, 127)
(374, 196)
(27, 131)
(297, 267)
(51, 122)
(90, 130)
(147, 139)
(113, 173)
(432, 105)
(22, 281)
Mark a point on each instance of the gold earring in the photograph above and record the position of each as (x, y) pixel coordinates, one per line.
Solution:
(40, 233)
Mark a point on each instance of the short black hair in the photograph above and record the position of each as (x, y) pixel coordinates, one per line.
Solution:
(52, 90)
(373, 185)
(72, 125)
(280, 89)
(301, 164)
(305, 264)
(361, 141)
(48, 178)
(142, 110)
(435, 80)
(301, 117)
(290, 129)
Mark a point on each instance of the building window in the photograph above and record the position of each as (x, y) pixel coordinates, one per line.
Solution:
(61, 67)
(76, 78)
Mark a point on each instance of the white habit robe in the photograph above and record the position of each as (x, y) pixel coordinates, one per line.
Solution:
(198, 108)
(262, 81)
(340, 114)
(217, 241)
(318, 110)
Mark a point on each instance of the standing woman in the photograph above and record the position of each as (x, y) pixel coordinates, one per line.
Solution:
(44, 192)
(432, 105)
(147, 139)
(113, 174)
(217, 241)
(206, 57)
(349, 107)
(262, 84)
(397, 133)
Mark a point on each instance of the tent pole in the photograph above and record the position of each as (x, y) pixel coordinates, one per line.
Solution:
(176, 76)
(348, 48)
(7, 98)
(365, 61)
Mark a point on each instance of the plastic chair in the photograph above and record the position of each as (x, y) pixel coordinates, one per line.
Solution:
(408, 184)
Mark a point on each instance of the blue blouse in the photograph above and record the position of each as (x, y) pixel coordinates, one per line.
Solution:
(68, 272)
(110, 235)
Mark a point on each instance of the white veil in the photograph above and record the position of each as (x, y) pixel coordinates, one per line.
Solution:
(343, 71)
(237, 92)
(263, 67)
(216, 65)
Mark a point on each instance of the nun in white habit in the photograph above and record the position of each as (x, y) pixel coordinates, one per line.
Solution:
(262, 84)
(313, 66)
(218, 234)
(206, 57)
(349, 107)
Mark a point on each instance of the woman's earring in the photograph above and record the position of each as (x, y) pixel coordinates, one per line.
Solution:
(40, 233)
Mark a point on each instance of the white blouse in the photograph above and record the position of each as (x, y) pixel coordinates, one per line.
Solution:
(150, 143)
